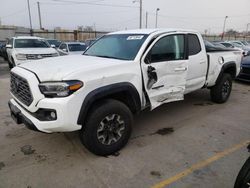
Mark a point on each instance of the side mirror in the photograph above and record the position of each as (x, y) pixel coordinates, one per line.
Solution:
(8, 46)
(53, 46)
(65, 50)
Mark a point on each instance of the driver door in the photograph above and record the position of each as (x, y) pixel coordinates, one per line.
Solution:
(164, 67)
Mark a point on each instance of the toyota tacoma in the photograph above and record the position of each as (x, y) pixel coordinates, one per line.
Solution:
(120, 75)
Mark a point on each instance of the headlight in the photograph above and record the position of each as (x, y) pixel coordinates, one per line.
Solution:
(60, 89)
(21, 57)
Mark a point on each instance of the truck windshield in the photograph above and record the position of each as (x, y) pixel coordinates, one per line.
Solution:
(31, 43)
(117, 46)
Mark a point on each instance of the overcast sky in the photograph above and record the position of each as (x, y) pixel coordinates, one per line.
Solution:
(124, 14)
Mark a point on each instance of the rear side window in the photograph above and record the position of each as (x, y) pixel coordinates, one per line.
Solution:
(194, 46)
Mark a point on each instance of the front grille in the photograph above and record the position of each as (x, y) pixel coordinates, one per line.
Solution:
(39, 56)
(19, 87)
(245, 70)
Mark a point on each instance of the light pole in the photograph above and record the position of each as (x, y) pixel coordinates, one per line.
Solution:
(31, 30)
(39, 14)
(156, 17)
(146, 19)
(224, 26)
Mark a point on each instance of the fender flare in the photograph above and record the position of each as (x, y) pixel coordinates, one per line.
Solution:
(106, 91)
(230, 64)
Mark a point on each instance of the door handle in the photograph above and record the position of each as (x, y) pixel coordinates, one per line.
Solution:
(180, 69)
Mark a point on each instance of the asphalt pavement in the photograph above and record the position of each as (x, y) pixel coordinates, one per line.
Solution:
(187, 144)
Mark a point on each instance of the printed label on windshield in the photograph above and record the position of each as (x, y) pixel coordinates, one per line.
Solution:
(135, 37)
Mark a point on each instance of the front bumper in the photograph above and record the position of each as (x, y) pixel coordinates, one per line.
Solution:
(19, 118)
(63, 122)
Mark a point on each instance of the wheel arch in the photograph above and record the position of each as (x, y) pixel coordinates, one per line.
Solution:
(230, 68)
(124, 92)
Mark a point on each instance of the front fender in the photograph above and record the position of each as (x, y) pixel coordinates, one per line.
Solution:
(106, 91)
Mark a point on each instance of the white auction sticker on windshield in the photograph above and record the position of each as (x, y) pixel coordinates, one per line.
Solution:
(135, 37)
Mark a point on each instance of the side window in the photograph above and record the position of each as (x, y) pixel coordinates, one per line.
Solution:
(194, 46)
(168, 48)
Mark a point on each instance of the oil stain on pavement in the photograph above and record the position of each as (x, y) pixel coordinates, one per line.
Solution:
(2, 165)
(27, 150)
(155, 174)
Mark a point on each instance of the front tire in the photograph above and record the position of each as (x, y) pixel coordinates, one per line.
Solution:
(108, 127)
(222, 90)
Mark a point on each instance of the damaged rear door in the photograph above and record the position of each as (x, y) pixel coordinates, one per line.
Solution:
(164, 67)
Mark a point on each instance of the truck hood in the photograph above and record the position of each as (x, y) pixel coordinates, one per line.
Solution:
(76, 53)
(57, 68)
(35, 50)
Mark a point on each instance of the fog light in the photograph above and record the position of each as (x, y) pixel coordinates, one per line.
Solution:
(53, 115)
(45, 114)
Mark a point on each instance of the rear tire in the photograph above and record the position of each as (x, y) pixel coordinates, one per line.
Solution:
(108, 127)
(222, 90)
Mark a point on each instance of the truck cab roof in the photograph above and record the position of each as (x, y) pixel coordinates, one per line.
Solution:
(151, 31)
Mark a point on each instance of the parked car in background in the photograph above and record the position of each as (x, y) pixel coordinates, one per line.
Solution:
(246, 49)
(218, 44)
(71, 48)
(243, 43)
(213, 46)
(3, 52)
(246, 43)
(227, 45)
(27, 48)
(232, 46)
(54, 43)
(89, 42)
(245, 70)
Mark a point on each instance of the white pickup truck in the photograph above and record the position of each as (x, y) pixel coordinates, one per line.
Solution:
(120, 75)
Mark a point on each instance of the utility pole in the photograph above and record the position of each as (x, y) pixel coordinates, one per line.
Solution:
(156, 17)
(224, 26)
(146, 19)
(140, 21)
(31, 30)
(247, 29)
(39, 14)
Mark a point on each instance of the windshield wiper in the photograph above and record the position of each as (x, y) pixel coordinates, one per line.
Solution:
(104, 56)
